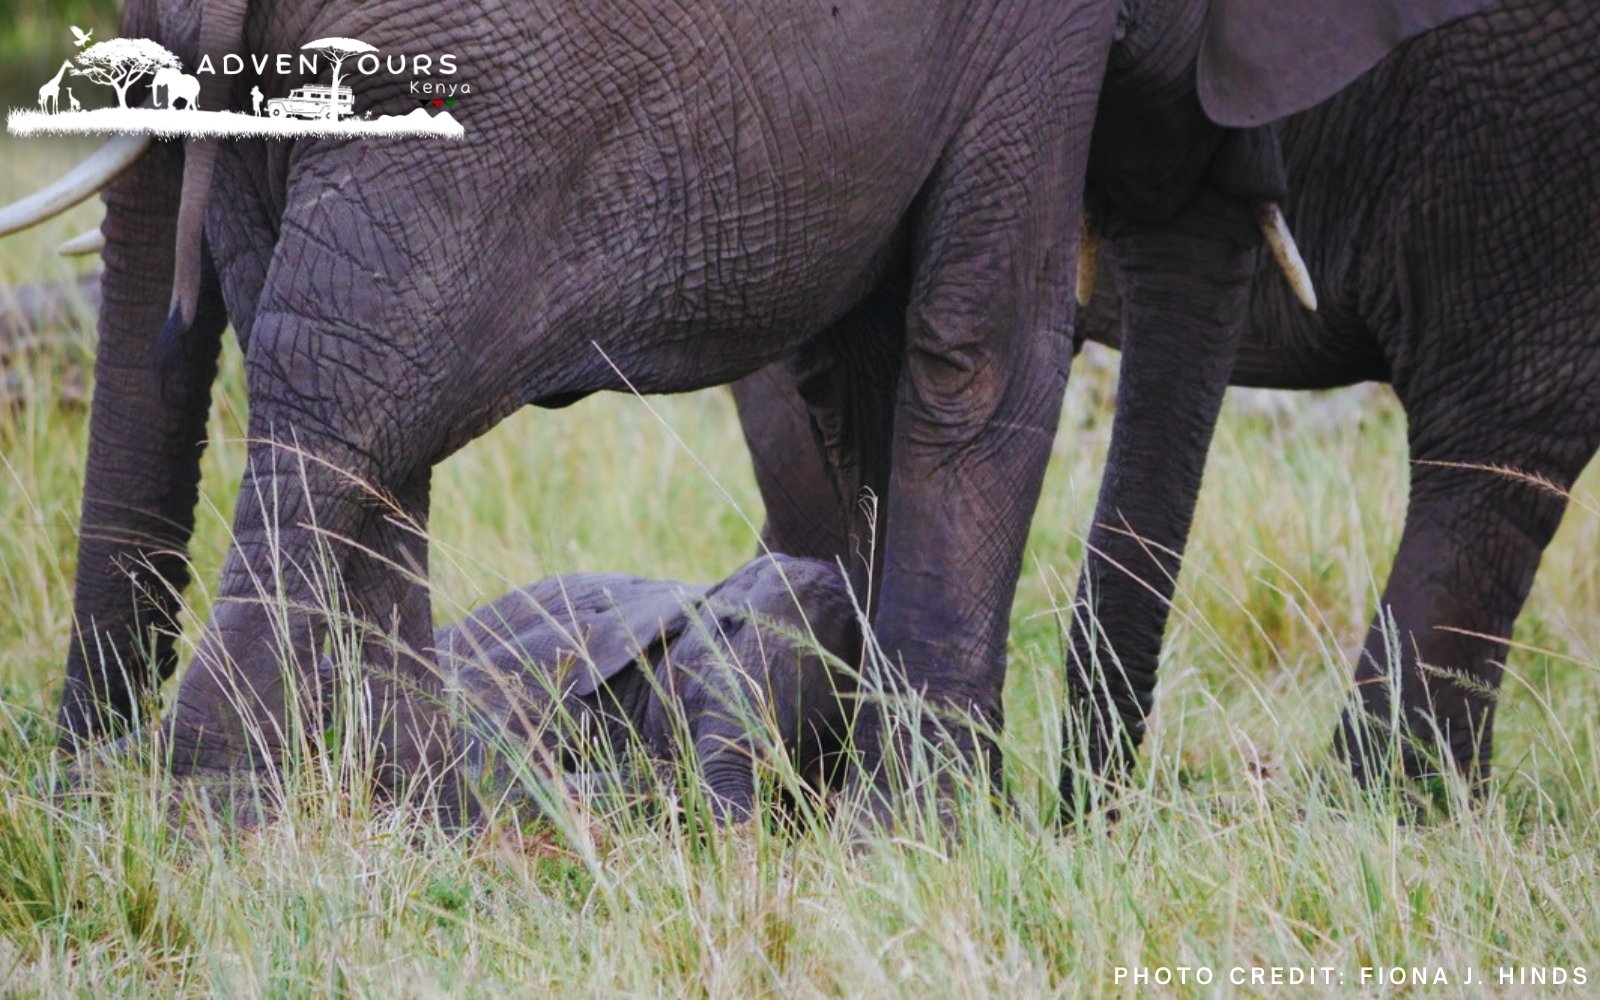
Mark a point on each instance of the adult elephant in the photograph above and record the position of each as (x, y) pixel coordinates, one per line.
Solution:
(1450, 211)
(703, 190)
(1185, 207)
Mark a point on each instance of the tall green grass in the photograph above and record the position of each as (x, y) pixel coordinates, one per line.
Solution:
(1240, 844)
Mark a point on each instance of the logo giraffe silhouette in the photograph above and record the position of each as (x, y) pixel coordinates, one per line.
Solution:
(50, 93)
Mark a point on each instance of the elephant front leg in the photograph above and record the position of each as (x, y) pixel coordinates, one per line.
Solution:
(315, 492)
(233, 719)
(398, 707)
(804, 502)
(987, 349)
(1184, 290)
(972, 439)
(978, 401)
(1428, 678)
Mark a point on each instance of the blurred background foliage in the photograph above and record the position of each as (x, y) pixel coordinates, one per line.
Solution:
(34, 38)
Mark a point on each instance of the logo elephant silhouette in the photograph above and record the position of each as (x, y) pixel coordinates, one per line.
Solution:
(177, 86)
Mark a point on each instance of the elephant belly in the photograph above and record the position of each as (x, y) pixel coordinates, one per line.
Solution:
(697, 225)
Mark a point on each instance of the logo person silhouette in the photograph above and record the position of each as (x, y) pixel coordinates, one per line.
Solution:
(255, 101)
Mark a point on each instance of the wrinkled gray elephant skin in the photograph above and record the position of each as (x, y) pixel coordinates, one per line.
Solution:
(648, 198)
(576, 673)
(1449, 208)
(1180, 198)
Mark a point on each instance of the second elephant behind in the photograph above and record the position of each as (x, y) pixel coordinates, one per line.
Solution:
(1449, 210)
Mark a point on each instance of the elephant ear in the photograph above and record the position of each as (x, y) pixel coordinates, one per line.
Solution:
(599, 622)
(635, 619)
(1261, 60)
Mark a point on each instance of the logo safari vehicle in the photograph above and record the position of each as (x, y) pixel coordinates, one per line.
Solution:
(314, 101)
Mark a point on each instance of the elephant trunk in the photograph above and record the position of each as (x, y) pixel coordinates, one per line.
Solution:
(1285, 254)
(1184, 291)
(146, 436)
(727, 764)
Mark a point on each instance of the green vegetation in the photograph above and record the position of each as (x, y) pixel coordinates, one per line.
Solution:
(34, 36)
(1242, 845)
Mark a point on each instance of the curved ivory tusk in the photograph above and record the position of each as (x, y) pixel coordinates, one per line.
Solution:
(1270, 218)
(83, 180)
(1088, 256)
(83, 244)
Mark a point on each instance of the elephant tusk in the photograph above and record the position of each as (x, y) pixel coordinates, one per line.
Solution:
(83, 180)
(1270, 218)
(83, 244)
(1088, 256)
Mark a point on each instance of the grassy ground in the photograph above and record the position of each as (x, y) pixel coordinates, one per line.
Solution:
(1241, 847)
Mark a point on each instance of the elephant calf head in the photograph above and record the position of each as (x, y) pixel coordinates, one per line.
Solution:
(591, 667)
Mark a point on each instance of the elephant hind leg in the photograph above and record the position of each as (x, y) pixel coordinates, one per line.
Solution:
(819, 426)
(1428, 678)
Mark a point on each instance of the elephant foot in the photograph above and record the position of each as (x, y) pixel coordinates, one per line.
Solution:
(84, 722)
(1417, 771)
(240, 783)
(237, 797)
(88, 767)
(232, 783)
(1099, 749)
(917, 776)
(1085, 793)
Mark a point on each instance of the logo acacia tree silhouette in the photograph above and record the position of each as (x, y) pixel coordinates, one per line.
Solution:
(118, 62)
(338, 50)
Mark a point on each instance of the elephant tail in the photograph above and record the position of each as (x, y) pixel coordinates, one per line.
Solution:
(221, 32)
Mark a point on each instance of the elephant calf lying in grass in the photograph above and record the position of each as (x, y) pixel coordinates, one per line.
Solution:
(575, 672)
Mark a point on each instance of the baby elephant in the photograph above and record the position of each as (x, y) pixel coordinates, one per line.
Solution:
(592, 662)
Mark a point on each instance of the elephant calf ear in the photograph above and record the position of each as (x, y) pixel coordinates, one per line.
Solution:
(1261, 60)
(637, 616)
